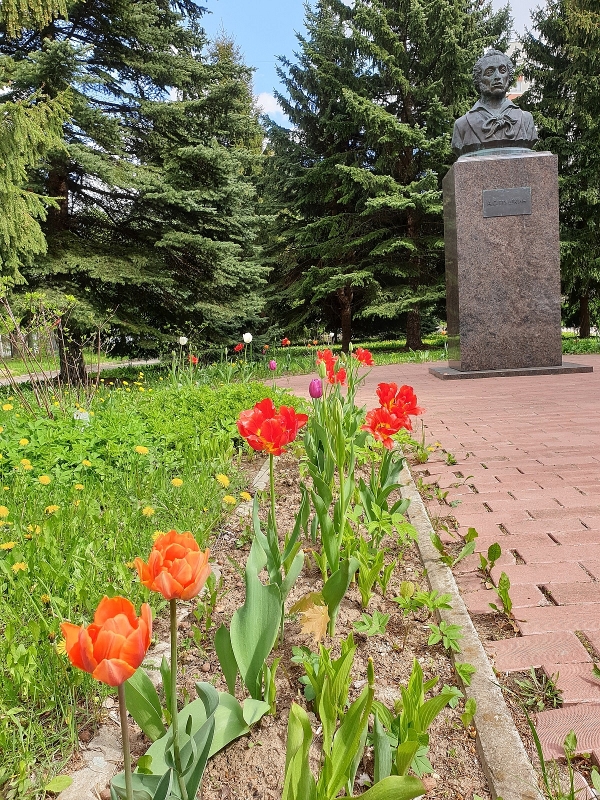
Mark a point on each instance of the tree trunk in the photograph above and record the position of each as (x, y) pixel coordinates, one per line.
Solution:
(345, 297)
(72, 365)
(413, 329)
(58, 188)
(584, 316)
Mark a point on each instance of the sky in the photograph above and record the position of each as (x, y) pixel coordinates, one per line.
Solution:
(265, 29)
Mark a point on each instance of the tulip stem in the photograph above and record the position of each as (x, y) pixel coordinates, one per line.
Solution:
(125, 738)
(174, 717)
(274, 529)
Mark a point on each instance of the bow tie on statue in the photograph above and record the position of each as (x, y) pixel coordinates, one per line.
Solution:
(501, 123)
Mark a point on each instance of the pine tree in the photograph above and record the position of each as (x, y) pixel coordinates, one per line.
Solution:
(29, 127)
(377, 139)
(562, 59)
(147, 103)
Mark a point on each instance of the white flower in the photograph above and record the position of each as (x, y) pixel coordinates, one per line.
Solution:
(247, 337)
(183, 340)
(331, 337)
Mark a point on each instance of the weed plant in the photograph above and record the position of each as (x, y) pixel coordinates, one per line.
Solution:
(80, 496)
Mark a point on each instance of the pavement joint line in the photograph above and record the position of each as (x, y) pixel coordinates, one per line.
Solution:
(506, 765)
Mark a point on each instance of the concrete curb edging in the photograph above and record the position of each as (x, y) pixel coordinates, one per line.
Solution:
(506, 765)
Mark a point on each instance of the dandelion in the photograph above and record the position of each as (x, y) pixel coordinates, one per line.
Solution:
(141, 389)
(45, 599)
(61, 647)
(223, 480)
(177, 482)
(148, 511)
(125, 383)
(51, 509)
(20, 566)
(34, 529)
(4, 512)
(25, 461)
(7, 545)
(45, 480)
(143, 451)
(79, 486)
(156, 534)
(23, 442)
(1, 428)
(76, 503)
(27, 467)
(246, 496)
(229, 499)
(86, 463)
(28, 536)
(130, 564)
(7, 407)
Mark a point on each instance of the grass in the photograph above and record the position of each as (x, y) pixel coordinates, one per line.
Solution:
(79, 500)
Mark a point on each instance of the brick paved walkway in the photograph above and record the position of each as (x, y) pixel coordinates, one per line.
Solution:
(527, 475)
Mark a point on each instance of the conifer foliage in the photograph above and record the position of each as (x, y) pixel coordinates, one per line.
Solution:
(373, 98)
(562, 59)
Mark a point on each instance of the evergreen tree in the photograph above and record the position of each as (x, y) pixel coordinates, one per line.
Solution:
(368, 211)
(29, 126)
(562, 58)
(148, 102)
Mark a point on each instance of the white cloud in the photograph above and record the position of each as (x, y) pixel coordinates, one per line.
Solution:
(268, 104)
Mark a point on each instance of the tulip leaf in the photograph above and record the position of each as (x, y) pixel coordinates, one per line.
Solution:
(336, 587)
(226, 657)
(254, 626)
(143, 704)
(145, 787)
(299, 782)
(395, 788)
(197, 750)
(253, 710)
(382, 750)
(293, 572)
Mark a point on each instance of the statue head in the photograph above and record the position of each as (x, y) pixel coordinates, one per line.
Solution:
(493, 74)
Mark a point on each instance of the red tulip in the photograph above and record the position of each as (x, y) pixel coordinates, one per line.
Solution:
(238, 347)
(285, 342)
(327, 358)
(193, 359)
(176, 568)
(114, 645)
(265, 428)
(364, 356)
(382, 425)
(401, 401)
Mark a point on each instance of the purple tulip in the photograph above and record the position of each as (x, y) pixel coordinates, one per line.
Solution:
(315, 388)
(272, 364)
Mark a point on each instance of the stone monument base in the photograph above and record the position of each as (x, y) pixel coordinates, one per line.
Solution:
(450, 374)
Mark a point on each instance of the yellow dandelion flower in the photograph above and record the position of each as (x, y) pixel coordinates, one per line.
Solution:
(20, 566)
(229, 499)
(56, 404)
(61, 647)
(51, 509)
(6, 488)
(148, 511)
(246, 496)
(86, 463)
(7, 545)
(25, 461)
(34, 529)
(143, 451)
(177, 482)
(160, 379)
(28, 536)
(125, 383)
(4, 512)
(27, 467)
(76, 503)
(23, 442)
(45, 480)
(79, 486)
(45, 599)
(156, 534)
(141, 375)
(1, 428)
(223, 480)
(141, 388)
(7, 407)
(130, 564)
(128, 389)
(91, 413)
(6, 523)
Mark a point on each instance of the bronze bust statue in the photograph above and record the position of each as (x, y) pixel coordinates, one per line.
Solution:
(494, 121)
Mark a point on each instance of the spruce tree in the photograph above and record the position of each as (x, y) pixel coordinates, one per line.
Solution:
(562, 59)
(376, 140)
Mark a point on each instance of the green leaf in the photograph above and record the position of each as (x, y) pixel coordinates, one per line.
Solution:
(382, 751)
(405, 753)
(336, 587)
(299, 782)
(226, 657)
(58, 783)
(253, 710)
(143, 704)
(465, 672)
(254, 626)
(469, 712)
(396, 787)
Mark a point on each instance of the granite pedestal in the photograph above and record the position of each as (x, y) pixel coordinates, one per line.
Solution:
(502, 263)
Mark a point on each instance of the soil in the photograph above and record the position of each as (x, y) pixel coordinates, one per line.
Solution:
(254, 766)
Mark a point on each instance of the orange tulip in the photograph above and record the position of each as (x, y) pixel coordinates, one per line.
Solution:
(114, 645)
(176, 568)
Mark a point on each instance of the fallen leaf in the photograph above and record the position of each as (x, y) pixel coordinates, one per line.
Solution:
(307, 601)
(314, 622)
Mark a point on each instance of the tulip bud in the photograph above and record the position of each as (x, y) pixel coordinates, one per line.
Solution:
(315, 388)
(247, 337)
(322, 370)
(272, 364)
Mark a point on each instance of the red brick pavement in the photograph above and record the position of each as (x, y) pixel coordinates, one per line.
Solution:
(527, 475)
